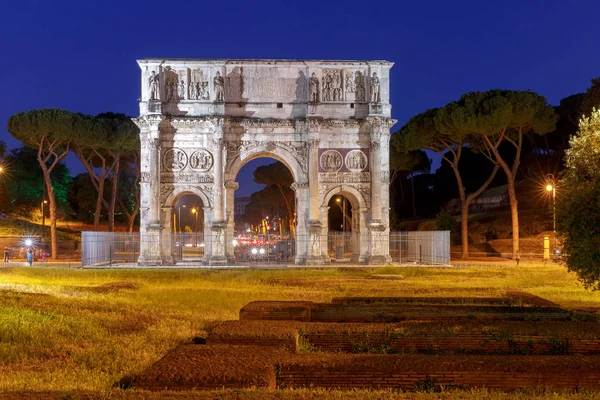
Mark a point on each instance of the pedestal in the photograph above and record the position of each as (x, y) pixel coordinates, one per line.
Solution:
(377, 254)
(315, 255)
(150, 246)
(218, 244)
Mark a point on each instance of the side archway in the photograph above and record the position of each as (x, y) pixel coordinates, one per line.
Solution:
(193, 245)
(359, 212)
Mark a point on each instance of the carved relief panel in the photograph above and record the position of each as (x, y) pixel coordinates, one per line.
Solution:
(174, 159)
(343, 160)
(201, 160)
(356, 161)
(171, 84)
(332, 85)
(359, 86)
(198, 85)
(330, 161)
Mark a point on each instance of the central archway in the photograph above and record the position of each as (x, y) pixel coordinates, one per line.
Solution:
(270, 232)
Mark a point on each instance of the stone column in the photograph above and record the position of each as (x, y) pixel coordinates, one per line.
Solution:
(218, 225)
(208, 219)
(230, 188)
(315, 255)
(384, 141)
(324, 217)
(150, 247)
(376, 227)
(166, 244)
(302, 213)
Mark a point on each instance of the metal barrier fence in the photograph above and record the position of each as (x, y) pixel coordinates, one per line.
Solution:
(423, 247)
(529, 249)
(106, 249)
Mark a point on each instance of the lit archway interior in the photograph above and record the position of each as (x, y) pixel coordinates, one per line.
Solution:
(264, 212)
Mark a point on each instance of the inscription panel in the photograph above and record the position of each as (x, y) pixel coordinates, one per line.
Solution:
(185, 177)
(344, 177)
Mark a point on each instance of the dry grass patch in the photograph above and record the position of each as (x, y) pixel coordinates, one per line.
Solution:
(54, 338)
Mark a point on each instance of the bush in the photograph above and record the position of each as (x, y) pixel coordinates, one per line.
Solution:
(578, 220)
(445, 222)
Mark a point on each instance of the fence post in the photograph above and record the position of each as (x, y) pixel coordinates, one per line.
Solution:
(420, 257)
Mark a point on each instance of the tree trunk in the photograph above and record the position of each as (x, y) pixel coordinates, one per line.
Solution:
(288, 206)
(97, 180)
(511, 175)
(52, 207)
(414, 205)
(99, 201)
(113, 196)
(46, 171)
(514, 213)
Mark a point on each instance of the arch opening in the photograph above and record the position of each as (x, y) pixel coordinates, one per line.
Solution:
(343, 225)
(188, 227)
(261, 215)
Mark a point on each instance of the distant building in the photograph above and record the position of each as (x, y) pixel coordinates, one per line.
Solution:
(240, 204)
(489, 200)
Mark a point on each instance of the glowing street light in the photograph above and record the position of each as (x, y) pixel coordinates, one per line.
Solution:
(179, 211)
(551, 187)
(44, 215)
(338, 201)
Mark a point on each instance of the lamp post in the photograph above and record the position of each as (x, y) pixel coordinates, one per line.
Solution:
(195, 212)
(179, 217)
(43, 215)
(551, 187)
(343, 208)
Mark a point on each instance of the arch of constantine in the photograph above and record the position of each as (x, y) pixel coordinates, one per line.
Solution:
(329, 122)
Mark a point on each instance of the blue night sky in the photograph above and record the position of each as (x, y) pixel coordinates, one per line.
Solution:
(80, 55)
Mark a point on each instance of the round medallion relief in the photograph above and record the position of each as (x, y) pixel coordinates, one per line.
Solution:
(356, 161)
(331, 161)
(201, 160)
(175, 159)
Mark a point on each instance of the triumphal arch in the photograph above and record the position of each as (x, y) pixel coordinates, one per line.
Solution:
(329, 122)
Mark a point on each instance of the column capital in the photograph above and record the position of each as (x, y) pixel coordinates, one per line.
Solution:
(148, 121)
(232, 185)
(313, 143)
(314, 124)
(218, 143)
(299, 186)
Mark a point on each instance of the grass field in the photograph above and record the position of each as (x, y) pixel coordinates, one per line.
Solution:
(76, 332)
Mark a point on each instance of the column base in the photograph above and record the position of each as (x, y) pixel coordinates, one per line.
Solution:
(377, 250)
(377, 260)
(218, 244)
(218, 260)
(150, 246)
(149, 261)
(169, 260)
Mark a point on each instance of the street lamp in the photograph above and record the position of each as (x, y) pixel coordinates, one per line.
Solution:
(343, 208)
(195, 212)
(43, 215)
(179, 211)
(551, 187)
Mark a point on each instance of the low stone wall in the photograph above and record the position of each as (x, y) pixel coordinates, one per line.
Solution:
(384, 312)
(460, 344)
(413, 372)
(256, 333)
(423, 300)
(212, 367)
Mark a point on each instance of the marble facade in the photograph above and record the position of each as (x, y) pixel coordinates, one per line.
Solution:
(329, 122)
